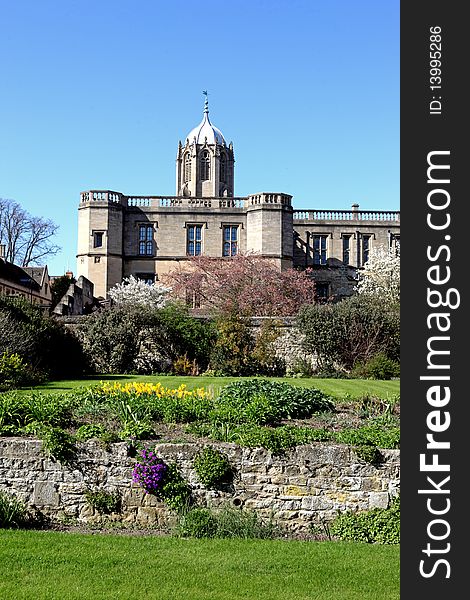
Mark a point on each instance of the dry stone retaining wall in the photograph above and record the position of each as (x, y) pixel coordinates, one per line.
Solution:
(309, 484)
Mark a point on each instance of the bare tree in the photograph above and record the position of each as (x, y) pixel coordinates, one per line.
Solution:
(27, 239)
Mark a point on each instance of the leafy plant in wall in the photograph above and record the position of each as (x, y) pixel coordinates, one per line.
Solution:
(212, 467)
(57, 443)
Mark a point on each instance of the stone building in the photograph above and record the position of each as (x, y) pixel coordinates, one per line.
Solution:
(78, 298)
(30, 283)
(120, 235)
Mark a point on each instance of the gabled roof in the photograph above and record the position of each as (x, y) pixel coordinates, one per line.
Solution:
(39, 274)
(19, 276)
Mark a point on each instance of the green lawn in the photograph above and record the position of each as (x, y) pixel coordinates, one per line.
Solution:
(339, 388)
(66, 566)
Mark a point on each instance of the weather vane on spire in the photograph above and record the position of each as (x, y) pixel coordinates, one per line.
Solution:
(206, 103)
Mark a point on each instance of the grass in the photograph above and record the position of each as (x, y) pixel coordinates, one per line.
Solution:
(338, 388)
(52, 565)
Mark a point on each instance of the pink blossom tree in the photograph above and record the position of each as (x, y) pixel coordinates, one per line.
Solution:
(246, 285)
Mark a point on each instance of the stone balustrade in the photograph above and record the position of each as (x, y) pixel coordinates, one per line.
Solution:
(101, 196)
(347, 215)
(162, 201)
(269, 198)
(240, 202)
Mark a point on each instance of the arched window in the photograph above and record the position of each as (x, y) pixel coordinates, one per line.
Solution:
(205, 163)
(187, 168)
(223, 168)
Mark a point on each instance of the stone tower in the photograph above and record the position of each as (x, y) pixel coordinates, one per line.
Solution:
(100, 239)
(205, 163)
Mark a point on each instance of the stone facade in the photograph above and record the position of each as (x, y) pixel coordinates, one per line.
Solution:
(307, 485)
(77, 300)
(120, 235)
(31, 283)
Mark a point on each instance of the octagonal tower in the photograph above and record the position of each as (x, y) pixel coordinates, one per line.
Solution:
(205, 163)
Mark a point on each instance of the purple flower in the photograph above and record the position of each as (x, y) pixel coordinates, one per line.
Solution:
(149, 472)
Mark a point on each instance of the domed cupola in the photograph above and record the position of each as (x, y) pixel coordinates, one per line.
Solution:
(205, 164)
(205, 131)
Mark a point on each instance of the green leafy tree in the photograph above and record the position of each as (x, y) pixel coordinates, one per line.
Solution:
(111, 338)
(350, 331)
(39, 339)
(175, 333)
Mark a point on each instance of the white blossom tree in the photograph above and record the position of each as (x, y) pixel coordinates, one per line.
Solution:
(380, 277)
(136, 292)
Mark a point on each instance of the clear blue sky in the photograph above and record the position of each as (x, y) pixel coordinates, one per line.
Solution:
(95, 94)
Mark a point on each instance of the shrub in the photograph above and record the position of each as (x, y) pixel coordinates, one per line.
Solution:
(175, 334)
(89, 432)
(275, 439)
(212, 467)
(104, 502)
(12, 371)
(13, 512)
(375, 434)
(368, 453)
(262, 401)
(198, 523)
(98, 432)
(183, 366)
(111, 338)
(379, 525)
(232, 352)
(377, 367)
(136, 430)
(175, 491)
(279, 439)
(350, 331)
(40, 340)
(57, 443)
(238, 352)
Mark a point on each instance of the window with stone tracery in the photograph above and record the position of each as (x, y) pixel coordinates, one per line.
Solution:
(223, 168)
(365, 248)
(194, 240)
(146, 240)
(187, 168)
(346, 248)
(230, 246)
(319, 249)
(205, 166)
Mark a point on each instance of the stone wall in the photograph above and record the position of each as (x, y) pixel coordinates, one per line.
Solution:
(309, 484)
(288, 345)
